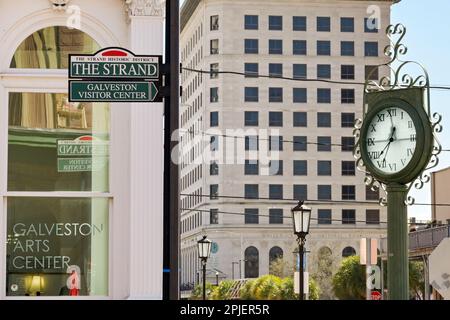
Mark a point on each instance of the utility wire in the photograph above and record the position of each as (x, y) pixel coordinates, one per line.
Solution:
(253, 75)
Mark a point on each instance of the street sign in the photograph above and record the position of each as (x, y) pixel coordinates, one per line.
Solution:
(375, 295)
(439, 262)
(112, 91)
(114, 63)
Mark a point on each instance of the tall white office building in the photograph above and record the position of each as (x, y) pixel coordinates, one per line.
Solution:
(305, 125)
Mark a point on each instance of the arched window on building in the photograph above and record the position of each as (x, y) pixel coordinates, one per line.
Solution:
(251, 262)
(276, 266)
(348, 252)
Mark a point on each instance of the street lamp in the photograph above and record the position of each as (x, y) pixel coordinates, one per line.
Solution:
(204, 249)
(301, 216)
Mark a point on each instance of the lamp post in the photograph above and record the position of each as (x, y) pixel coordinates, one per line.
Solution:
(204, 249)
(301, 216)
(232, 268)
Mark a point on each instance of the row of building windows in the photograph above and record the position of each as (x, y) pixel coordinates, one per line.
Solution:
(324, 216)
(192, 222)
(299, 23)
(299, 95)
(299, 191)
(300, 119)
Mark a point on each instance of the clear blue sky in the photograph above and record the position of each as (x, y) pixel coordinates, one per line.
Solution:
(427, 39)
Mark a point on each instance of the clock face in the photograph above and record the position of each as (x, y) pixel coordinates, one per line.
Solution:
(391, 140)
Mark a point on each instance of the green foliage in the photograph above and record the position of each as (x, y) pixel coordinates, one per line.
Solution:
(349, 282)
(222, 292)
(197, 293)
(270, 287)
(416, 280)
(281, 268)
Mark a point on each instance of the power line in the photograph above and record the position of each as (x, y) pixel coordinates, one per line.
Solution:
(254, 75)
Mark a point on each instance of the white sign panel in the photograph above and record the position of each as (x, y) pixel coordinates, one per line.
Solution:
(297, 282)
(439, 261)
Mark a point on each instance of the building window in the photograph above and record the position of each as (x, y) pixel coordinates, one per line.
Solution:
(251, 70)
(300, 143)
(213, 169)
(323, 24)
(275, 191)
(275, 119)
(275, 69)
(251, 118)
(371, 194)
(213, 216)
(371, 49)
(214, 46)
(323, 95)
(299, 71)
(214, 119)
(251, 191)
(348, 252)
(371, 25)
(348, 96)
(300, 119)
(323, 71)
(299, 95)
(275, 94)
(214, 71)
(323, 48)
(213, 192)
(275, 143)
(275, 216)
(347, 120)
(251, 143)
(371, 73)
(373, 216)
(300, 167)
(275, 22)
(251, 94)
(348, 216)
(300, 192)
(214, 20)
(299, 47)
(213, 94)
(348, 143)
(347, 25)
(348, 168)
(251, 167)
(348, 192)
(276, 167)
(214, 143)
(324, 119)
(251, 216)
(299, 23)
(275, 46)
(347, 72)
(324, 216)
(251, 22)
(323, 143)
(251, 263)
(323, 168)
(251, 46)
(324, 192)
(347, 48)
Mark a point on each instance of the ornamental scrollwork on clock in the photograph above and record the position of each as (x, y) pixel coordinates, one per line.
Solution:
(397, 74)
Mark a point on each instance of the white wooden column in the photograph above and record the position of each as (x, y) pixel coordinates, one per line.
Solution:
(146, 162)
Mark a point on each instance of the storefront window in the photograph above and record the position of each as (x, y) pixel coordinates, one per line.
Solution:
(54, 145)
(57, 247)
(49, 48)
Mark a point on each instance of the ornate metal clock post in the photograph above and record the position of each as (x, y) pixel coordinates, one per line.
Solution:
(396, 144)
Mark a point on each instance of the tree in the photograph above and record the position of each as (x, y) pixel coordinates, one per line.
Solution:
(197, 293)
(223, 290)
(349, 282)
(281, 268)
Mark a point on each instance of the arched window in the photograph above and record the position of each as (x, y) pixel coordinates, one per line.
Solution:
(348, 252)
(251, 262)
(275, 253)
(49, 48)
(276, 266)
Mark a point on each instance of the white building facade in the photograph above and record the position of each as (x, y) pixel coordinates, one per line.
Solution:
(66, 232)
(239, 205)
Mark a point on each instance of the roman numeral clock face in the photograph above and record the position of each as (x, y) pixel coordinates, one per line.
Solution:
(391, 140)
